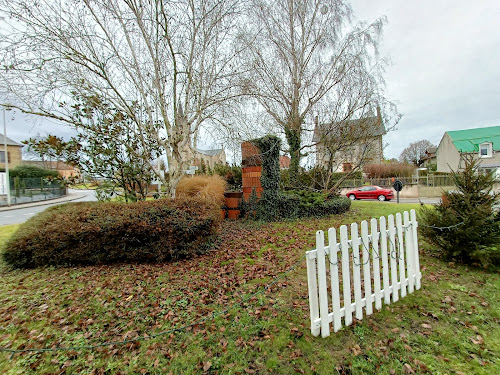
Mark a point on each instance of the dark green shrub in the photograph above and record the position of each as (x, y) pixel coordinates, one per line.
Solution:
(101, 233)
(472, 231)
(296, 204)
(303, 203)
(232, 174)
(30, 171)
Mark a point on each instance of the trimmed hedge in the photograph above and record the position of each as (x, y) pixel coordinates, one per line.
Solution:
(296, 204)
(108, 232)
(30, 171)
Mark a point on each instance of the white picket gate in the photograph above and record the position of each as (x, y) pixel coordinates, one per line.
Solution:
(388, 265)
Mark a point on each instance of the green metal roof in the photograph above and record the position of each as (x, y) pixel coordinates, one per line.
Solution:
(468, 140)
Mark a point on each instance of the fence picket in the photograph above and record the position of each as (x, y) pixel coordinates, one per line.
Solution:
(393, 245)
(409, 251)
(393, 254)
(334, 273)
(312, 286)
(356, 270)
(414, 226)
(367, 278)
(376, 263)
(323, 293)
(401, 255)
(385, 263)
(346, 275)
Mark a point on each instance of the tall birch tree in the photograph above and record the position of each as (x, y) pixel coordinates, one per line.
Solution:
(306, 59)
(169, 66)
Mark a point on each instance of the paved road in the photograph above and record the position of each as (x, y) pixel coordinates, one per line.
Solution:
(20, 215)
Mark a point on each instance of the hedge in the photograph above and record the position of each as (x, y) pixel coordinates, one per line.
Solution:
(297, 204)
(30, 171)
(108, 232)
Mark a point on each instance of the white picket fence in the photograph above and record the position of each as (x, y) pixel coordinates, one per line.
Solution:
(388, 265)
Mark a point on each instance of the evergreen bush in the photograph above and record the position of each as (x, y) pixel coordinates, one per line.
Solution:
(232, 174)
(303, 203)
(472, 231)
(108, 232)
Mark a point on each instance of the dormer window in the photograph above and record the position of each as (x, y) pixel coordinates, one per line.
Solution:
(486, 150)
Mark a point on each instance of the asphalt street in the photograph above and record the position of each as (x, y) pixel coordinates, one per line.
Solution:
(20, 215)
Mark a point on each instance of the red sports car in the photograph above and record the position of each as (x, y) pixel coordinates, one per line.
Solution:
(371, 192)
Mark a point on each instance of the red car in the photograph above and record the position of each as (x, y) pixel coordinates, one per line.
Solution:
(371, 192)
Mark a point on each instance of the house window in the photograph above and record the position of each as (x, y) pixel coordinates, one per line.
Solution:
(2, 156)
(347, 167)
(486, 150)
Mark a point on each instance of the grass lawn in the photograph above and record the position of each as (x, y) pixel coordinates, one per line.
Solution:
(450, 326)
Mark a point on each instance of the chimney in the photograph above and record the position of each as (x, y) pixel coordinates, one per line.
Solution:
(379, 116)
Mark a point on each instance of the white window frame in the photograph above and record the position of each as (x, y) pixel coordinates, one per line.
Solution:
(489, 150)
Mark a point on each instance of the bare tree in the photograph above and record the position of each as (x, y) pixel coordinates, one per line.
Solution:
(305, 60)
(415, 152)
(168, 66)
(346, 148)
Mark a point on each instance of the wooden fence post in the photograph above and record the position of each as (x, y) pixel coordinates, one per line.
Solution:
(323, 293)
(312, 286)
(346, 275)
(333, 247)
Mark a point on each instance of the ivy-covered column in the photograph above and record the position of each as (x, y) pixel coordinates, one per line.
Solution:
(269, 147)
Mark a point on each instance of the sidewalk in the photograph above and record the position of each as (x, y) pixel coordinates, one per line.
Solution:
(422, 200)
(71, 196)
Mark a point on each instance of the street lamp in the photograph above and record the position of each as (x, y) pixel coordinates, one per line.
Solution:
(6, 157)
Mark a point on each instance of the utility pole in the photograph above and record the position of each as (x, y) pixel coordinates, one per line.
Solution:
(7, 180)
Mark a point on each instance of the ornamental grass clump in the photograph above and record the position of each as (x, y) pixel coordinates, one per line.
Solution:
(465, 224)
(89, 233)
(209, 188)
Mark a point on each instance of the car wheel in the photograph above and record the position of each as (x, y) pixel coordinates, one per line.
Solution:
(381, 198)
(352, 197)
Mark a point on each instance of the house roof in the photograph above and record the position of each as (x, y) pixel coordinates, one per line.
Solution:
(10, 142)
(210, 152)
(468, 140)
(373, 125)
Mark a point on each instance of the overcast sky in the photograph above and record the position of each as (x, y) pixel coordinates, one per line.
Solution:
(445, 71)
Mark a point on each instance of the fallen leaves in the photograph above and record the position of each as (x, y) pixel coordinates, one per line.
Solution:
(408, 369)
(356, 350)
(478, 340)
(207, 365)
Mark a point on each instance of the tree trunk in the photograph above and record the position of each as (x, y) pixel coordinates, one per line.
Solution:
(293, 139)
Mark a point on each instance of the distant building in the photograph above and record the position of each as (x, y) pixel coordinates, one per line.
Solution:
(14, 152)
(484, 143)
(430, 159)
(355, 142)
(209, 157)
